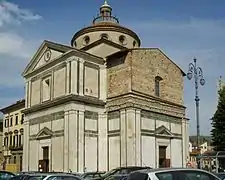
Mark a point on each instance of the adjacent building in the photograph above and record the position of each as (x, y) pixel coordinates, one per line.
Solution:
(205, 147)
(13, 120)
(1, 142)
(103, 102)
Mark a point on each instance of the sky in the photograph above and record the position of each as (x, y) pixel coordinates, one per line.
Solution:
(183, 29)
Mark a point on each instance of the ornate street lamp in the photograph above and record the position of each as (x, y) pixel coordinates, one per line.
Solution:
(196, 73)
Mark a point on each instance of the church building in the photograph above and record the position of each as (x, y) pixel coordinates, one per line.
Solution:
(103, 102)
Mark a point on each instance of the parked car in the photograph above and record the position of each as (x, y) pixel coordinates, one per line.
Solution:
(121, 171)
(29, 176)
(62, 176)
(117, 177)
(5, 175)
(46, 176)
(91, 175)
(172, 174)
(220, 175)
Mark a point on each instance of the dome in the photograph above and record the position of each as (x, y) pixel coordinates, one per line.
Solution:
(108, 25)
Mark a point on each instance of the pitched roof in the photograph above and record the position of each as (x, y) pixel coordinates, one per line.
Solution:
(136, 49)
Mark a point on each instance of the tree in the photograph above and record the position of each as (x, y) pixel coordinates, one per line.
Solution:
(218, 123)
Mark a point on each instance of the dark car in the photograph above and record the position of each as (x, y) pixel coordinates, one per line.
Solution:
(5, 175)
(121, 171)
(29, 177)
(220, 175)
(91, 175)
(117, 177)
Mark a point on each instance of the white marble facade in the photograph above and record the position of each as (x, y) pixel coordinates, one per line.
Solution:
(66, 110)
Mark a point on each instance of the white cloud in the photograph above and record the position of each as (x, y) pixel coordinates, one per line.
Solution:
(14, 45)
(182, 41)
(15, 49)
(12, 13)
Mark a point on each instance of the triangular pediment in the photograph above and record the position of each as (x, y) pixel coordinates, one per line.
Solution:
(163, 131)
(44, 133)
(103, 48)
(47, 52)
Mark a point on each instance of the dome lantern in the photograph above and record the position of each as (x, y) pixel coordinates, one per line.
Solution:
(105, 14)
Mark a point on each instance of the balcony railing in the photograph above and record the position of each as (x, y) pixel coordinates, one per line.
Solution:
(105, 19)
(16, 148)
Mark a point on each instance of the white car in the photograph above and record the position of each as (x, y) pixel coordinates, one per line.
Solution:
(172, 174)
(61, 176)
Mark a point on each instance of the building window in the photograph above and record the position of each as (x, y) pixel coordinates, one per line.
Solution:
(14, 159)
(104, 36)
(122, 40)
(14, 141)
(10, 139)
(11, 121)
(75, 44)
(134, 43)
(16, 120)
(157, 85)
(86, 40)
(6, 141)
(22, 118)
(21, 162)
(6, 122)
(46, 89)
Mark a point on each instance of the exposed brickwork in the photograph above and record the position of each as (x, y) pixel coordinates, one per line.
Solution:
(137, 72)
(119, 76)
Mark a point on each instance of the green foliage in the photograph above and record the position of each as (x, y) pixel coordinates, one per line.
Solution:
(218, 123)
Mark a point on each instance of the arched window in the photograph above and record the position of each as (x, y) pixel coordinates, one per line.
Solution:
(122, 40)
(86, 40)
(157, 85)
(104, 36)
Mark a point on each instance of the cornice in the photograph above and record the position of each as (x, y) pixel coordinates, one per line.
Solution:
(66, 99)
(64, 57)
(106, 27)
(131, 100)
(18, 105)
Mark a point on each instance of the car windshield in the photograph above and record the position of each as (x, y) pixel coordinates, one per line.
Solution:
(87, 176)
(6, 175)
(138, 176)
(110, 173)
(36, 177)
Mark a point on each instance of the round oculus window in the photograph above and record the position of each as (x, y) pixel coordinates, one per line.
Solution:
(47, 55)
(122, 39)
(86, 40)
(104, 36)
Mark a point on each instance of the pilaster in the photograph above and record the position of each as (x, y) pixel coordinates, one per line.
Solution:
(26, 94)
(81, 141)
(26, 145)
(185, 142)
(102, 143)
(130, 125)
(103, 82)
(73, 140)
(66, 143)
(131, 138)
(81, 77)
(138, 136)
(74, 76)
(123, 122)
(68, 76)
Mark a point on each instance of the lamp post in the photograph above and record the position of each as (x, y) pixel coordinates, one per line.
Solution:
(196, 72)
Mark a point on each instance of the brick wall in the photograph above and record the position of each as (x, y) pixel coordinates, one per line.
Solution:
(136, 71)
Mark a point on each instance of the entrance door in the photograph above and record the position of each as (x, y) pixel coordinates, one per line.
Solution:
(162, 156)
(45, 158)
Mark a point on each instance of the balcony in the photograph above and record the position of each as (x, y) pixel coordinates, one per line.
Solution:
(16, 148)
